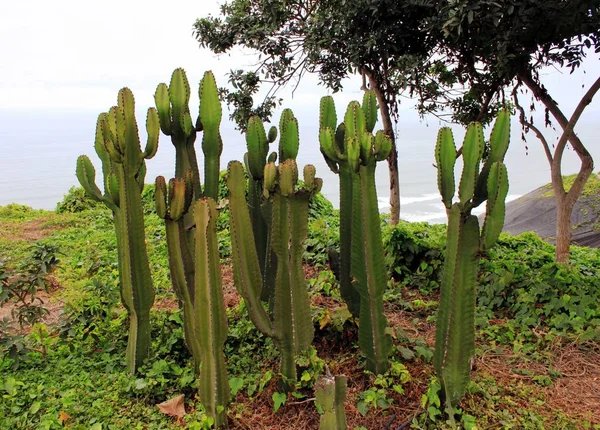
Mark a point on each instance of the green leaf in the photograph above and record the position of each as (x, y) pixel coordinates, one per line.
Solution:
(278, 400)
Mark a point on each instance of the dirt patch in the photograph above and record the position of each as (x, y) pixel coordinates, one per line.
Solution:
(574, 385)
(28, 231)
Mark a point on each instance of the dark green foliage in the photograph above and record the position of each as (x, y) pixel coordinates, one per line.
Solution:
(76, 200)
(521, 281)
(414, 254)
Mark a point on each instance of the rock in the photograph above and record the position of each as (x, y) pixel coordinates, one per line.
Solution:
(536, 212)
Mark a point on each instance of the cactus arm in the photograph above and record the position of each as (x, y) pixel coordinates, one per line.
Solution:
(445, 157)
(472, 152)
(499, 141)
(246, 268)
(153, 130)
(212, 146)
(209, 315)
(370, 272)
(495, 211)
(369, 107)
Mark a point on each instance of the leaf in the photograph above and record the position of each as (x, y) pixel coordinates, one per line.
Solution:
(236, 385)
(35, 406)
(278, 400)
(63, 417)
(173, 407)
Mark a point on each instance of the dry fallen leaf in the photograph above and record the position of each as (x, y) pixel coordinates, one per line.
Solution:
(63, 416)
(173, 407)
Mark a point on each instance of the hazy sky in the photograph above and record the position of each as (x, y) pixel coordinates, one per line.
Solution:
(76, 55)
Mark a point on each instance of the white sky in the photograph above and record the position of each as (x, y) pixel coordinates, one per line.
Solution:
(75, 54)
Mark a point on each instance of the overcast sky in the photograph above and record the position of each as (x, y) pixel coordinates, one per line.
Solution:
(72, 54)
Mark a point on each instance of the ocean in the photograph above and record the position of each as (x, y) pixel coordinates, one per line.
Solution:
(38, 150)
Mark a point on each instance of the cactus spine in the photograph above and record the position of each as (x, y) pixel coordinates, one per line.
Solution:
(290, 325)
(191, 233)
(455, 330)
(331, 395)
(354, 157)
(117, 144)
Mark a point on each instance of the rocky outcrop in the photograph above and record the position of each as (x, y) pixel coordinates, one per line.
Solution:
(536, 211)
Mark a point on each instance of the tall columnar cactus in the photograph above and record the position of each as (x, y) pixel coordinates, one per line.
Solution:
(290, 325)
(330, 393)
(191, 233)
(455, 330)
(260, 209)
(354, 157)
(118, 146)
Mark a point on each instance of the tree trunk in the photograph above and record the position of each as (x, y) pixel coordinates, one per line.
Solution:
(563, 230)
(388, 129)
(565, 201)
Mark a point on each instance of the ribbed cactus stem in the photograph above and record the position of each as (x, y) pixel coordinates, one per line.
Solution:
(292, 320)
(330, 393)
(455, 328)
(369, 270)
(347, 290)
(118, 146)
(212, 146)
(209, 314)
(353, 153)
(246, 267)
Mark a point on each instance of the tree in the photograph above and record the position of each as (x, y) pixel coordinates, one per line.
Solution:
(380, 39)
(502, 44)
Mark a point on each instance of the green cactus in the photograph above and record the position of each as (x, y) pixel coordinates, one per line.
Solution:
(176, 122)
(191, 233)
(455, 330)
(354, 157)
(210, 319)
(117, 144)
(290, 324)
(260, 209)
(330, 393)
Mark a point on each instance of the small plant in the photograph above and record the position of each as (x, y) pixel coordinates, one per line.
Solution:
(22, 288)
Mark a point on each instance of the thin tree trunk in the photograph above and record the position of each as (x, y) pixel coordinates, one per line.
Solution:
(563, 230)
(565, 201)
(388, 129)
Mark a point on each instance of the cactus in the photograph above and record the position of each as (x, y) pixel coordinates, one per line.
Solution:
(455, 330)
(290, 324)
(330, 393)
(210, 320)
(117, 144)
(354, 157)
(260, 209)
(191, 233)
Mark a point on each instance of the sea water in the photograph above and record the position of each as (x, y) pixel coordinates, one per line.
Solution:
(39, 148)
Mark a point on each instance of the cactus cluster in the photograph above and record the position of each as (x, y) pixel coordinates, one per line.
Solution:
(123, 165)
(285, 204)
(455, 330)
(190, 215)
(352, 151)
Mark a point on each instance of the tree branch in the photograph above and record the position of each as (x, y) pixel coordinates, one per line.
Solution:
(530, 126)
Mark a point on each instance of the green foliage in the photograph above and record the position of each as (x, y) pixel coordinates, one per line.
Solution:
(76, 200)
(414, 254)
(521, 281)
